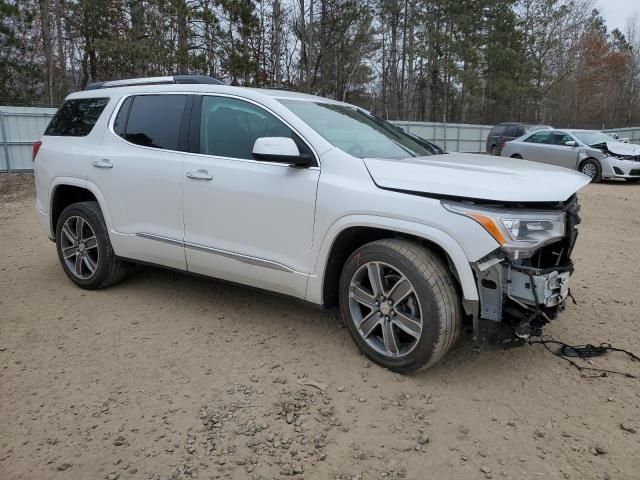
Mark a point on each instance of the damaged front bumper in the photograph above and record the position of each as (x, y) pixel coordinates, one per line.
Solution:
(519, 297)
(620, 168)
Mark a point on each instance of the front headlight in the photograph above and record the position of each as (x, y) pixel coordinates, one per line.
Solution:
(520, 231)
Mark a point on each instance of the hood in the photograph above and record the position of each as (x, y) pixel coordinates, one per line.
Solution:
(481, 177)
(624, 149)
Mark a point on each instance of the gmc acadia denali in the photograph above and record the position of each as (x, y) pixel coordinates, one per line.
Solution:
(312, 198)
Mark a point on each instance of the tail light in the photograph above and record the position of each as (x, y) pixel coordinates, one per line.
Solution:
(36, 147)
(503, 145)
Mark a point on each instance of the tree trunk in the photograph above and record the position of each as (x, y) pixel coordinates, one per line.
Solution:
(45, 22)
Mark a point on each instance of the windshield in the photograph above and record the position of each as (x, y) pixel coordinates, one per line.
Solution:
(593, 138)
(355, 132)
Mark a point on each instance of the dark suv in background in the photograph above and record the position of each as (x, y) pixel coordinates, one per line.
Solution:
(503, 132)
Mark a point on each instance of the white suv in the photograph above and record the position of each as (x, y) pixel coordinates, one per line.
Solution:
(312, 198)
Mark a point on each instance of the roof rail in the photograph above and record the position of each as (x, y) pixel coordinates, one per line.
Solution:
(172, 79)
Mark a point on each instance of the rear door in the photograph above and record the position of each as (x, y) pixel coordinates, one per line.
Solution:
(246, 220)
(138, 170)
(535, 146)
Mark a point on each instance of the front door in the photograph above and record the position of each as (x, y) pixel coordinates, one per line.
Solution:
(562, 154)
(246, 221)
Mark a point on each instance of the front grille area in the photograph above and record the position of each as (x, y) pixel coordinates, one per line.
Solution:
(635, 172)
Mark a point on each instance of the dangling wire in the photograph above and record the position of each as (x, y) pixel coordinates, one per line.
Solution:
(585, 351)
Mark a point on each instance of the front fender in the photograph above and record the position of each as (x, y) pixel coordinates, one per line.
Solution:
(440, 238)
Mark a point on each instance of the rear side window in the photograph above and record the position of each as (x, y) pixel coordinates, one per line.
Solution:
(540, 137)
(152, 120)
(497, 130)
(76, 118)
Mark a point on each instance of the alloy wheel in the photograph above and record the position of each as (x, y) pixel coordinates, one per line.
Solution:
(79, 247)
(589, 169)
(385, 309)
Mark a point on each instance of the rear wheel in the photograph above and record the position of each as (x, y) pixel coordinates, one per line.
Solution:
(516, 155)
(494, 150)
(591, 168)
(84, 248)
(400, 304)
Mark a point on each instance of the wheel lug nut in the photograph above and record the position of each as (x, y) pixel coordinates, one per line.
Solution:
(390, 302)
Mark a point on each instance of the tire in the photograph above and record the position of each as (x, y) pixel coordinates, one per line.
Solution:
(591, 168)
(633, 180)
(494, 151)
(91, 262)
(434, 300)
(517, 155)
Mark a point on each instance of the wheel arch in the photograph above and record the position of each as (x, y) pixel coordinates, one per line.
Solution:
(65, 191)
(344, 239)
(583, 160)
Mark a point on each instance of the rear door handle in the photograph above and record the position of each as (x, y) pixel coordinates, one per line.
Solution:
(104, 163)
(200, 175)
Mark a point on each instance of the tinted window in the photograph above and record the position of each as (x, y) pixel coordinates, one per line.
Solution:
(497, 130)
(154, 120)
(560, 138)
(512, 131)
(230, 127)
(76, 118)
(354, 131)
(540, 137)
(121, 118)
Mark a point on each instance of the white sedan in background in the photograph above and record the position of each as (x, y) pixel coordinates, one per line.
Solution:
(592, 153)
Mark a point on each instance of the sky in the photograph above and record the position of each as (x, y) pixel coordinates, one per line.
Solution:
(616, 12)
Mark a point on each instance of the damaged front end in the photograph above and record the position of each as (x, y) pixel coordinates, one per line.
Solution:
(524, 284)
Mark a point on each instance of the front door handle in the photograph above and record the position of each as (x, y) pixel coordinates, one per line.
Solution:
(200, 175)
(104, 163)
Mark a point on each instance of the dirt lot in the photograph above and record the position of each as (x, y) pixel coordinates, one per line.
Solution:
(167, 376)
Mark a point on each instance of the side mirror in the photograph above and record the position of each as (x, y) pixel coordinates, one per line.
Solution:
(281, 150)
(570, 143)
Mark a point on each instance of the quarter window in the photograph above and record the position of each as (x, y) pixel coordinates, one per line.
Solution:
(153, 120)
(230, 127)
(76, 118)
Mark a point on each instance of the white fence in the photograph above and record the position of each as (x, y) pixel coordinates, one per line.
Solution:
(453, 137)
(20, 127)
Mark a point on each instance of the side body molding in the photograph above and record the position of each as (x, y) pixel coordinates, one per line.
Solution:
(445, 241)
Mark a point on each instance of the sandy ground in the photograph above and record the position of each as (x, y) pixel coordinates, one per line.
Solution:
(167, 376)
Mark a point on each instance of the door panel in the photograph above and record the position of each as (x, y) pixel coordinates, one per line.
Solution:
(536, 147)
(142, 186)
(560, 154)
(246, 221)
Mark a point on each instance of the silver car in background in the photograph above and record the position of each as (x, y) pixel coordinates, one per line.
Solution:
(592, 153)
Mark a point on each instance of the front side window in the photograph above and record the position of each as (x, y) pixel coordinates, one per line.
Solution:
(540, 137)
(76, 118)
(229, 127)
(152, 121)
(355, 132)
(560, 138)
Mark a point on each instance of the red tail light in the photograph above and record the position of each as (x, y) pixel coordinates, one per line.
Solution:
(36, 147)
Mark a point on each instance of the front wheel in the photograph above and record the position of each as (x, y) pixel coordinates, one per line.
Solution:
(84, 248)
(400, 304)
(591, 168)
